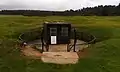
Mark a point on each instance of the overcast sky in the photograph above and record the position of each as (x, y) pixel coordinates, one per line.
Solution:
(53, 4)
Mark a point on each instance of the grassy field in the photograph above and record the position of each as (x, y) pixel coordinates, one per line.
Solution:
(104, 56)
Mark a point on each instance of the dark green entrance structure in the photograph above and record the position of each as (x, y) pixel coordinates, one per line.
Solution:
(57, 33)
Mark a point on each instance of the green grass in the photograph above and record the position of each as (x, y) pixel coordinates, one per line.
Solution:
(104, 56)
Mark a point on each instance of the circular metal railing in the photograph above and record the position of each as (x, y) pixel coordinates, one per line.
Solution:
(35, 34)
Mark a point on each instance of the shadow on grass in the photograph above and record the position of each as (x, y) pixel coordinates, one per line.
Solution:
(100, 33)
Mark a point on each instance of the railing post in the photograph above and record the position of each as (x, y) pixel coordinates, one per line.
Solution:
(42, 41)
(68, 48)
(47, 47)
(74, 39)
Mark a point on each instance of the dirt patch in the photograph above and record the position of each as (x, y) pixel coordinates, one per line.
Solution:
(83, 53)
(31, 52)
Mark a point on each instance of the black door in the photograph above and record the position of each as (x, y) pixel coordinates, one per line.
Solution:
(64, 35)
(58, 34)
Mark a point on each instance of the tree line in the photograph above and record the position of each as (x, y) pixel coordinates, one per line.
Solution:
(107, 10)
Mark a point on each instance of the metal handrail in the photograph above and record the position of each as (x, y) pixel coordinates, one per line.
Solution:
(87, 43)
